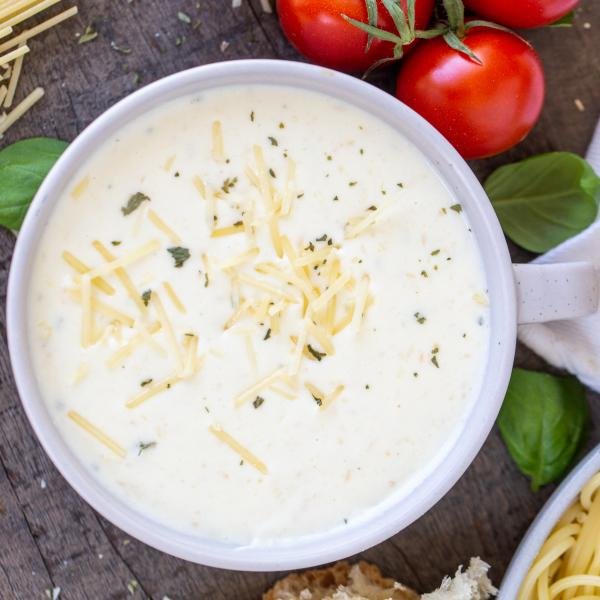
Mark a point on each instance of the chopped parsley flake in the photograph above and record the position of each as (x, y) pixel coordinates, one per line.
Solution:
(252, 115)
(456, 208)
(116, 243)
(323, 238)
(424, 274)
(372, 207)
(434, 357)
(146, 296)
(273, 141)
(336, 198)
(179, 254)
(228, 184)
(318, 400)
(146, 382)
(268, 334)
(352, 183)
(145, 446)
(435, 252)
(318, 355)
(258, 401)
(272, 173)
(420, 318)
(134, 203)
(282, 125)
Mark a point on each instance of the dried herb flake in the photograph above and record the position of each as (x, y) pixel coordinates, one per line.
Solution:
(179, 254)
(134, 202)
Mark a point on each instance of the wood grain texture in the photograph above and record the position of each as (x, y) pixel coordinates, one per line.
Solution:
(49, 537)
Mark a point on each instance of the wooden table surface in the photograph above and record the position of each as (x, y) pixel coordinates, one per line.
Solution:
(49, 537)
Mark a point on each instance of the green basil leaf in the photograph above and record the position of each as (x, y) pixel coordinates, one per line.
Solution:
(544, 200)
(543, 422)
(23, 167)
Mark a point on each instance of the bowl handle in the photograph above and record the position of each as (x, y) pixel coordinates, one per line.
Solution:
(556, 291)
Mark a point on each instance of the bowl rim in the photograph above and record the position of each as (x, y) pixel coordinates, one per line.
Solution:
(544, 522)
(333, 544)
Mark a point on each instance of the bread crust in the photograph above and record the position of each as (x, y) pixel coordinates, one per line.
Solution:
(323, 583)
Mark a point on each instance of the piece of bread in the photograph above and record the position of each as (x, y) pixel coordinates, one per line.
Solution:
(340, 582)
(473, 584)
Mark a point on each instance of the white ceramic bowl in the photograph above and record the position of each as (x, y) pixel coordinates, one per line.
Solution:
(543, 524)
(393, 516)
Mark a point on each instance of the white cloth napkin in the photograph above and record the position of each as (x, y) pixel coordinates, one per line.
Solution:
(573, 345)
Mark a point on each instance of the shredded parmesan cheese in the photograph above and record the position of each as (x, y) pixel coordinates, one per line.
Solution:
(275, 236)
(168, 328)
(218, 152)
(263, 178)
(162, 226)
(311, 258)
(151, 390)
(242, 309)
(174, 297)
(230, 230)
(345, 320)
(357, 225)
(80, 188)
(297, 353)
(169, 163)
(252, 177)
(242, 451)
(125, 260)
(361, 302)
(288, 194)
(97, 433)
(239, 259)
(322, 337)
(101, 307)
(199, 185)
(82, 268)
(252, 391)
(121, 275)
(263, 285)
(118, 357)
(337, 286)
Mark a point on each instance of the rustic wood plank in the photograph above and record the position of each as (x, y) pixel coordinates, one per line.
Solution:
(55, 538)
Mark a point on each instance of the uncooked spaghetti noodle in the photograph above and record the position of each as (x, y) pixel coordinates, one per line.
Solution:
(13, 48)
(568, 564)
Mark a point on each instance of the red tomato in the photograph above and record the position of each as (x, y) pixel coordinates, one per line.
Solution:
(521, 14)
(318, 31)
(482, 109)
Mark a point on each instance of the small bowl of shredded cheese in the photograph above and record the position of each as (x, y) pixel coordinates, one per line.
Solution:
(559, 557)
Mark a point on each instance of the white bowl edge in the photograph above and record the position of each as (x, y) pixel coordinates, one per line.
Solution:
(327, 546)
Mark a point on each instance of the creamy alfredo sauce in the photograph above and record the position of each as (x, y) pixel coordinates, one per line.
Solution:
(189, 382)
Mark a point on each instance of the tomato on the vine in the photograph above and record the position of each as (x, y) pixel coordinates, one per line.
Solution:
(521, 14)
(482, 109)
(317, 30)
